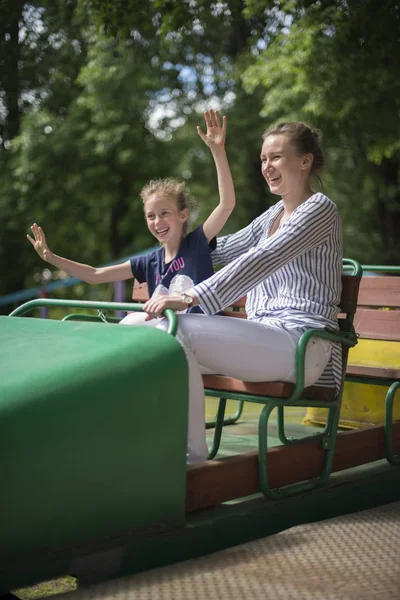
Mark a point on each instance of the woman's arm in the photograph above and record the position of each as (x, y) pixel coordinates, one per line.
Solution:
(215, 140)
(310, 225)
(85, 272)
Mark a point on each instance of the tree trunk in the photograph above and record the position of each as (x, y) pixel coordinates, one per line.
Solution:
(119, 210)
(10, 77)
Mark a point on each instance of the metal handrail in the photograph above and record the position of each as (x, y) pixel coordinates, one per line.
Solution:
(126, 306)
(347, 264)
(350, 263)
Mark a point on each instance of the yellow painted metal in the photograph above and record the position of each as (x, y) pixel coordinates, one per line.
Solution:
(363, 404)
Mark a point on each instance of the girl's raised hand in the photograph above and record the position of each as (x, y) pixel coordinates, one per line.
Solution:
(39, 243)
(215, 135)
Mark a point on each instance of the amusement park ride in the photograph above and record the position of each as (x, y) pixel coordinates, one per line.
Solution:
(93, 424)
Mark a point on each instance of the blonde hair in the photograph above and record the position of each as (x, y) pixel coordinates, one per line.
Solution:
(174, 189)
(306, 140)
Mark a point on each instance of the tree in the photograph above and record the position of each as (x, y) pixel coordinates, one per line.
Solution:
(30, 34)
(335, 65)
(330, 62)
(208, 45)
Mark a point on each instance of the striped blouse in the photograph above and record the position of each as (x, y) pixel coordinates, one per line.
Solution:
(292, 279)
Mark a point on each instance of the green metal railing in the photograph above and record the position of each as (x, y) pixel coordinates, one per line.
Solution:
(103, 306)
(390, 269)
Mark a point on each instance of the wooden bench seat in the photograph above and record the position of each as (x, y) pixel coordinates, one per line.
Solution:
(372, 372)
(378, 318)
(266, 388)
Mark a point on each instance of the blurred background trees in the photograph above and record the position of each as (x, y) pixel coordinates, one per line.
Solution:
(97, 97)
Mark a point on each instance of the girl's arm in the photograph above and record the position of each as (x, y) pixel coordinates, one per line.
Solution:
(215, 140)
(85, 272)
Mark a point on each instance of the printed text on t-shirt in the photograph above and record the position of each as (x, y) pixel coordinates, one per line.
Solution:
(176, 265)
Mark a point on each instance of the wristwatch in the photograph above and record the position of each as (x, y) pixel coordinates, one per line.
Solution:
(188, 300)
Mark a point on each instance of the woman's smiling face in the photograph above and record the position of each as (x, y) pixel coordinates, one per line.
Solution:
(285, 171)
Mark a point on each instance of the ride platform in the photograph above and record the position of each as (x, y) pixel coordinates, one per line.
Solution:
(341, 542)
(351, 557)
(94, 480)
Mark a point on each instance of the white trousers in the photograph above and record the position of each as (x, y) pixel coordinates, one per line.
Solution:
(239, 348)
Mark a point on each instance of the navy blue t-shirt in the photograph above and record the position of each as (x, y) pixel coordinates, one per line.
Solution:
(191, 265)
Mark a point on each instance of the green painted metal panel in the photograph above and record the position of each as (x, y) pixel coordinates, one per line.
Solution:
(93, 426)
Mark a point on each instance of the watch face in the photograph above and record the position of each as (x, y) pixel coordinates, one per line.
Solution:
(187, 299)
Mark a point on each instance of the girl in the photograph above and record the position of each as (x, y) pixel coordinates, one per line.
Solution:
(183, 260)
(288, 262)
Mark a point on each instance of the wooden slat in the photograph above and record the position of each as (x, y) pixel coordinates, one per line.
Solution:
(209, 484)
(378, 324)
(240, 303)
(140, 292)
(235, 314)
(278, 389)
(380, 291)
(376, 372)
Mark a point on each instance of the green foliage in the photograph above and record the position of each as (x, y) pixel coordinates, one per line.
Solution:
(335, 66)
(90, 163)
(98, 97)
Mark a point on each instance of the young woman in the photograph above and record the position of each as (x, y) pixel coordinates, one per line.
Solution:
(183, 259)
(288, 262)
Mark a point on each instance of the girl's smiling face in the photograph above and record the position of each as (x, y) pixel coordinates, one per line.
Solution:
(164, 219)
(285, 171)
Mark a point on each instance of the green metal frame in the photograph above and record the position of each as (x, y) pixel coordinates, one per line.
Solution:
(377, 268)
(327, 437)
(100, 306)
(229, 420)
(394, 459)
(95, 318)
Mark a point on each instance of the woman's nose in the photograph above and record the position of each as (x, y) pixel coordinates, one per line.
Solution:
(266, 165)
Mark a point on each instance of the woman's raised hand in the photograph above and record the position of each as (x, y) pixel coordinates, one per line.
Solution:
(215, 135)
(39, 243)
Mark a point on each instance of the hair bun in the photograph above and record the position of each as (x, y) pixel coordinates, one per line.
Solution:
(316, 132)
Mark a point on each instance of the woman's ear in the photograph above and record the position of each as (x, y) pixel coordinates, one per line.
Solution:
(306, 162)
(184, 213)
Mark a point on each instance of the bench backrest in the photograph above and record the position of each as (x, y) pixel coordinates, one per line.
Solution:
(140, 292)
(348, 301)
(378, 311)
